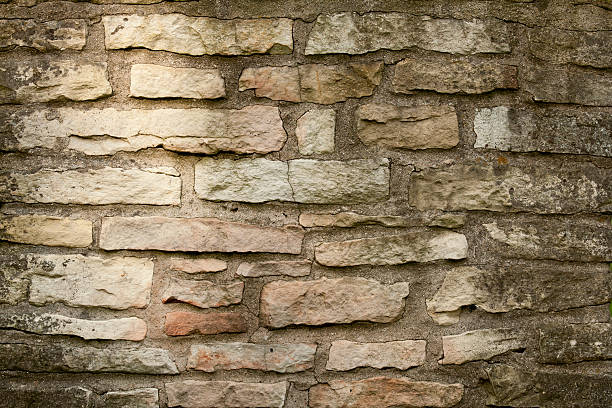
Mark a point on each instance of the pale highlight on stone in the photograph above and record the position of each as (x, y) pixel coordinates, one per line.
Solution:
(316, 131)
(203, 294)
(347, 355)
(226, 394)
(43, 36)
(351, 219)
(138, 398)
(197, 265)
(157, 81)
(480, 345)
(274, 268)
(45, 230)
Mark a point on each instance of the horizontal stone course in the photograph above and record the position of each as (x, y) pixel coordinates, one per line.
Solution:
(186, 323)
(43, 36)
(45, 230)
(195, 266)
(588, 48)
(562, 344)
(274, 268)
(140, 398)
(480, 345)
(203, 294)
(226, 394)
(157, 81)
(17, 394)
(403, 354)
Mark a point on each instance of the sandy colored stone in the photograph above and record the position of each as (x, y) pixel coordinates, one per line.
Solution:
(323, 301)
(420, 127)
(197, 265)
(127, 328)
(44, 36)
(315, 132)
(281, 358)
(186, 323)
(448, 221)
(347, 355)
(351, 219)
(226, 394)
(274, 268)
(77, 280)
(45, 230)
(203, 294)
(574, 47)
(157, 81)
(276, 83)
(108, 185)
(393, 249)
(563, 343)
(480, 345)
(199, 35)
(384, 392)
(138, 398)
(352, 33)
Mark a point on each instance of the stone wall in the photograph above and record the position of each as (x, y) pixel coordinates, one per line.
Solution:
(339, 204)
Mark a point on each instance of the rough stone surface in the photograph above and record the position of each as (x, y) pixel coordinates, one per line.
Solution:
(197, 235)
(128, 328)
(384, 392)
(28, 394)
(480, 345)
(157, 81)
(281, 358)
(138, 398)
(352, 33)
(45, 230)
(276, 83)
(185, 323)
(226, 394)
(315, 132)
(393, 249)
(421, 127)
(44, 36)
(322, 301)
(561, 344)
(555, 131)
(77, 280)
(197, 265)
(274, 268)
(564, 46)
(453, 76)
(448, 221)
(351, 219)
(13, 281)
(108, 185)
(203, 294)
(347, 355)
(199, 35)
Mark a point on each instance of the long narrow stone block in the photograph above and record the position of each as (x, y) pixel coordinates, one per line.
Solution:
(203, 294)
(562, 344)
(588, 48)
(480, 345)
(15, 394)
(138, 398)
(45, 230)
(347, 355)
(348, 219)
(185, 323)
(43, 36)
(157, 81)
(226, 394)
(273, 268)
(193, 266)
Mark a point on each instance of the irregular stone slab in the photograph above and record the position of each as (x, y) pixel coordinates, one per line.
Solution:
(53, 358)
(276, 83)
(322, 301)
(563, 47)
(274, 268)
(203, 294)
(197, 265)
(186, 323)
(36, 394)
(45, 230)
(480, 345)
(197, 235)
(41, 80)
(446, 75)
(77, 280)
(448, 221)
(561, 344)
(352, 33)
(508, 188)
(128, 328)
(347, 355)
(14, 280)
(384, 392)
(199, 35)
(421, 127)
(315, 131)
(138, 398)
(44, 36)
(108, 185)
(351, 219)
(225, 394)
(281, 358)
(393, 249)
(555, 131)
(157, 81)
(501, 290)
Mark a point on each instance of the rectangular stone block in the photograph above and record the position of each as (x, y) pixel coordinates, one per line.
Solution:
(588, 48)
(348, 219)
(480, 345)
(77, 280)
(45, 230)
(108, 185)
(315, 132)
(138, 398)
(197, 235)
(26, 394)
(44, 36)
(157, 81)
(226, 394)
(186, 323)
(194, 266)
(274, 268)
(203, 294)
(347, 355)
(562, 344)
(199, 35)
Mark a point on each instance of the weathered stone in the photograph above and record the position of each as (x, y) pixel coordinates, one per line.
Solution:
(352, 33)
(197, 265)
(138, 398)
(421, 127)
(276, 83)
(480, 345)
(451, 76)
(199, 35)
(203, 294)
(554, 131)
(448, 221)
(77, 280)
(281, 358)
(186, 323)
(128, 328)
(274, 268)
(582, 188)
(226, 394)
(315, 131)
(504, 289)
(351, 219)
(560, 344)
(393, 249)
(30, 394)
(44, 81)
(157, 81)
(564, 46)
(108, 185)
(44, 230)
(43, 36)
(384, 392)
(14, 280)
(54, 358)
(322, 301)
(197, 235)
(347, 355)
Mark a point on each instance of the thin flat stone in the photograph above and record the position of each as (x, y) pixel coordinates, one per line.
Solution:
(274, 268)
(138, 398)
(347, 355)
(186, 323)
(480, 345)
(45, 230)
(44, 36)
(158, 81)
(203, 294)
(226, 394)
(193, 266)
